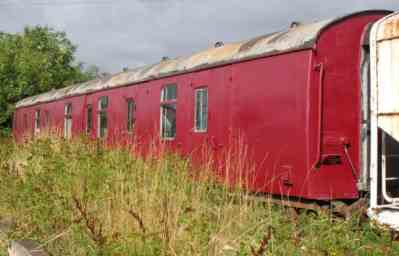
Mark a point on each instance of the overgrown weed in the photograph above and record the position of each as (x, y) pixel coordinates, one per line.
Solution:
(81, 198)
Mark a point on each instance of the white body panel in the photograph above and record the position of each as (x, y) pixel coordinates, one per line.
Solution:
(384, 107)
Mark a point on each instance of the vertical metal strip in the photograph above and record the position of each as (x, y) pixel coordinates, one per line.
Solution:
(317, 163)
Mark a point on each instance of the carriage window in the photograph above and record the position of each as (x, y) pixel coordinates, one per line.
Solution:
(37, 121)
(102, 119)
(89, 118)
(68, 120)
(131, 118)
(47, 118)
(168, 111)
(201, 110)
(25, 121)
(169, 92)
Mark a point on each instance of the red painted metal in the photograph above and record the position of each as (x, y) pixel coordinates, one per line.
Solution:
(273, 118)
(320, 68)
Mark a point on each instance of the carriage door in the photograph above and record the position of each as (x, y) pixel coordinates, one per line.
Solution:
(384, 166)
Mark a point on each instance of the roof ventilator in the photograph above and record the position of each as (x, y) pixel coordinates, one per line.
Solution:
(295, 24)
(219, 44)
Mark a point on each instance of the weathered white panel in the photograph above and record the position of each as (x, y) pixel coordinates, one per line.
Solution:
(388, 76)
(388, 28)
(390, 125)
(388, 85)
(384, 103)
(386, 216)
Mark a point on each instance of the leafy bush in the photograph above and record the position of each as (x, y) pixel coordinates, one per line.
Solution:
(35, 61)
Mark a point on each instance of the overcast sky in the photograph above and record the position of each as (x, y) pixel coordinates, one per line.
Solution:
(113, 34)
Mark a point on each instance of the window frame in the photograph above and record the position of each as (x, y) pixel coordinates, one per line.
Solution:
(166, 101)
(37, 122)
(89, 119)
(102, 112)
(164, 97)
(131, 115)
(47, 118)
(68, 116)
(197, 90)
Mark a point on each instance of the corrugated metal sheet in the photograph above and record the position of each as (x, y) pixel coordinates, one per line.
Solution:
(298, 37)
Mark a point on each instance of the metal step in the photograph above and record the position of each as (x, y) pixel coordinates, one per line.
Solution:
(390, 206)
(391, 178)
(392, 155)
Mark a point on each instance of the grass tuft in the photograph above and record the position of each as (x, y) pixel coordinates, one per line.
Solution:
(79, 198)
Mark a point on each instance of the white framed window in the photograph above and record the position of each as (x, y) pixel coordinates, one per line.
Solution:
(168, 111)
(37, 121)
(68, 120)
(201, 110)
(131, 115)
(102, 117)
(169, 93)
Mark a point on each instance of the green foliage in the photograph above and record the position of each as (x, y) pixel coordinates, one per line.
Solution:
(77, 201)
(32, 62)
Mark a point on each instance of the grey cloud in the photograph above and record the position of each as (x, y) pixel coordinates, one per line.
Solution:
(117, 33)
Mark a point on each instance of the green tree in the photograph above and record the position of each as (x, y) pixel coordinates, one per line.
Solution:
(37, 60)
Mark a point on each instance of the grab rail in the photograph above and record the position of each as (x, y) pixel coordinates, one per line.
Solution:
(316, 164)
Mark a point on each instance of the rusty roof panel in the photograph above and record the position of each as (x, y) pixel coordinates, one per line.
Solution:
(388, 28)
(298, 37)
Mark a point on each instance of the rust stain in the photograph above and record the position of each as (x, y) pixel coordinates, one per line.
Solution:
(248, 45)
(298, 37)
(279, 37)
(391, 29)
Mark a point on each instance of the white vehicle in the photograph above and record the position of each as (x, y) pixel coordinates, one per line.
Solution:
(384, 112)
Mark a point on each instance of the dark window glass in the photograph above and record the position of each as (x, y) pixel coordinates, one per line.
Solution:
(102, 119)
(201, 110)
(131, 118)
(37, 120)
(47, 118)
(169, 92)
(89, 118)
(168, 111)
(169, 120)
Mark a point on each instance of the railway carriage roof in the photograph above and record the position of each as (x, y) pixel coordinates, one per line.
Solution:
(387, 28)
(295, 38)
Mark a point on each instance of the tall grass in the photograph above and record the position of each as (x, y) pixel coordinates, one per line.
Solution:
(79, 198)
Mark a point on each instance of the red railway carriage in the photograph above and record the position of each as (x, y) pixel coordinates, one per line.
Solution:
(294, 97)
